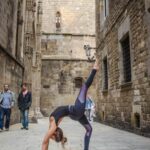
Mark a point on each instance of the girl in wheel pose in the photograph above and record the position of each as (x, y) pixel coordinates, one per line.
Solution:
(75, 112)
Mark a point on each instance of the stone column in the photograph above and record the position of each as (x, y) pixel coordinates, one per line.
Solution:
(36, 69)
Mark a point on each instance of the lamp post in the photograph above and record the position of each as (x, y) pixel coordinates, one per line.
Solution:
(88, 49)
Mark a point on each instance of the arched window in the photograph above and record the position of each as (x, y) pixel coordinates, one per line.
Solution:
(78, 82)
(58, 21)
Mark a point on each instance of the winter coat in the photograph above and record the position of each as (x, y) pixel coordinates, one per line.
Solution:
(24, 101)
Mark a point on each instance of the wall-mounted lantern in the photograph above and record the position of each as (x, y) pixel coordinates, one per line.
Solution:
(88, 49)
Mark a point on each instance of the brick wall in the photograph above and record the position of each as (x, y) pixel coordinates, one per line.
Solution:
(119, 104)
(11, 69)
(70, 46)
(63, 50)
(58, 82)
(77, 17)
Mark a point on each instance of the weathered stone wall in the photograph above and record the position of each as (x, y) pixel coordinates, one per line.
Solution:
(8, 10)
(66, 46)
(11, 69)
(63, 54)
(77, 17)
(32, 51)
(11, 73)
(119, 104)
(58, 82)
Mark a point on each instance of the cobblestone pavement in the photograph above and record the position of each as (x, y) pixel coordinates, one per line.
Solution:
(103, 138)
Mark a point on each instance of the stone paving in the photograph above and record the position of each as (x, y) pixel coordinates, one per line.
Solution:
(103, 138)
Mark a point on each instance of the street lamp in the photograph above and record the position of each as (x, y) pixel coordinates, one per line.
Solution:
(88, 49)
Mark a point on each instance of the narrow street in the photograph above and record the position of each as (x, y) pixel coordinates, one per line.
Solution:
(104, 138)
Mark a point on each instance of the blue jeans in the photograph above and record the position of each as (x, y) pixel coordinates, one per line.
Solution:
(0, 117)
(4, 112)
(25, 118)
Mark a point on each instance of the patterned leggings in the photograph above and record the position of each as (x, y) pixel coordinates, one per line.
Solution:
(78, 109)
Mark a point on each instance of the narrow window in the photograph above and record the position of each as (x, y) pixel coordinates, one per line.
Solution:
(46, 86)
(78, 82)
(126, 59)
(137, 120)
(58, 21)
(103, 116)
(105, 65)
(61, 87)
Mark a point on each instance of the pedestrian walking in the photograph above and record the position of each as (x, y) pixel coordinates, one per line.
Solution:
(93, 112)
(24, 104)
(90, 109)
(7, 100)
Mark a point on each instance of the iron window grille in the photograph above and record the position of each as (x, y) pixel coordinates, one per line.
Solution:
(125, 43)
(105, 64)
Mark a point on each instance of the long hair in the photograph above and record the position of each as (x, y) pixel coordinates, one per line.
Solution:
(59, 136)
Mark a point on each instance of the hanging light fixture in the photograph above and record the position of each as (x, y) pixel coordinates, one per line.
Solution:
(88, 49)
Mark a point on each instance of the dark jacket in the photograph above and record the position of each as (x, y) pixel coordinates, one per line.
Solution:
(24, 102)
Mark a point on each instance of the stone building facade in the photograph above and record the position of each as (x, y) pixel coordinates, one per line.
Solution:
(123, 39)
(20, 57)
(66, 27)
(35, 35)
(32, 50)
(11, 48)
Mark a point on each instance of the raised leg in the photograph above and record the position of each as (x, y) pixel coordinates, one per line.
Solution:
(90, 78)
(81, 99)
(77, 111)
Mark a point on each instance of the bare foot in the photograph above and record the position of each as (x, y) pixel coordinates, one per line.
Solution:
(96, 65)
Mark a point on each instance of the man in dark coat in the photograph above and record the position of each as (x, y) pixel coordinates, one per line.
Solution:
(24, 103)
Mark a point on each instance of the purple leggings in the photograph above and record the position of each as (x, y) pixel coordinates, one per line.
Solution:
(77, 111)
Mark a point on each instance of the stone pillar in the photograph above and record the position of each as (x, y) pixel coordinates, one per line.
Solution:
(36, 69)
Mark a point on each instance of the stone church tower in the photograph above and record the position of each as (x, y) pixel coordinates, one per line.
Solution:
(66, 27)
